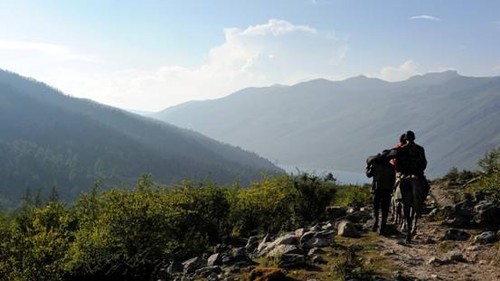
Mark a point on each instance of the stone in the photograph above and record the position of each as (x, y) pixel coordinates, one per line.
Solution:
(215, 259)
(430, 240)
(435, 261)
(316, 239)
(193, 264)
(347, 229)
(318, 259)
(283, 250)
(287, 239)
(252, 244)
(358, 217)
(237, 252)
(456, 255)
(239, 257)
(213, 277)
(292, 261)
(335, 212)
(316, 227)
(209, 270)
(315, 251)
(328, 226)
(486, 237)
(487, 213)
(175, 267)
(299, 232)
(263, 244)
(456, 235)
(473, 248)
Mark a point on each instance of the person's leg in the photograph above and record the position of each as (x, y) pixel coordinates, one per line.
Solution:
(376, 206)
(385, 204)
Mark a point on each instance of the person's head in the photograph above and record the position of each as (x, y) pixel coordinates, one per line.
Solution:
(409, 136)
(402, 139)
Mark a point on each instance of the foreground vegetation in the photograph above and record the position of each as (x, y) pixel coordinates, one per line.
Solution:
(486, 180)
(130, 234)
(123, 234)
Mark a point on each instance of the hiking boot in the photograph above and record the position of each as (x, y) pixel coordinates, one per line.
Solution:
(382, 231)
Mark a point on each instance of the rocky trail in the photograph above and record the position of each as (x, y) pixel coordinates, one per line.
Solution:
(430, 257)
(455, 241)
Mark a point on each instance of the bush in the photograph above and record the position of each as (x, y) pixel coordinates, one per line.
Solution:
(460, 178)
(488, 180)
(125, 234)
(353, 196)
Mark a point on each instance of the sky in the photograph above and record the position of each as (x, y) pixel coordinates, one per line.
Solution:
(152, 54)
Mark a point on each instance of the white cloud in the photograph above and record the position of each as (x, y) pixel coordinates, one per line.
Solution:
(397, 73)
(51, 51)
(259, 55)
(425, 17)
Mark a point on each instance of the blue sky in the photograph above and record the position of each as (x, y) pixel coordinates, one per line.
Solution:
(148, 55)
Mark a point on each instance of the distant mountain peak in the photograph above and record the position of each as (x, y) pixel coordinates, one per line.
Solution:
(362, 78)
(436, 76)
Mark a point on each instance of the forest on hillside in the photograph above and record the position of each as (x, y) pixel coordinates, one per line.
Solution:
(48, 139)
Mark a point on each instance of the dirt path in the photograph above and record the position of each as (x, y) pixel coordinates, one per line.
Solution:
(480, 262)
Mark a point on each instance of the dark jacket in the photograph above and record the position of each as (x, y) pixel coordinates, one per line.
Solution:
(382, 171)
(411, 160)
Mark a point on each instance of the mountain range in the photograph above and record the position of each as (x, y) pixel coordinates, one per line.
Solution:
(48, 139)
(336, 125)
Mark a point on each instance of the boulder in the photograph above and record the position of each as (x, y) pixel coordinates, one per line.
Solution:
(299, 232)
(283, 250)
(315, 251)
(346, 228)
(456, 235)
(315, 227)
(287, 239)
(328, 226)
(486, 237)
(487, 213)
(191, 265)
(209, 270)
(316, 239)
(456, 255)
(215, 259)
(240, 258)
(318, 259)
(335, 212)
(263, 244)
(358, 216)
(175, 267)
(252, 244)
(292, 261)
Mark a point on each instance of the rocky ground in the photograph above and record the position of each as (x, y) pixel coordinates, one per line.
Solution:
(455, 241)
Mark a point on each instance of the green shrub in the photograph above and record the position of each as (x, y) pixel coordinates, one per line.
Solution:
(488, 180)
(353, 196)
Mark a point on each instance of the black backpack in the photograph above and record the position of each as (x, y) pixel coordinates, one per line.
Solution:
(410, 159)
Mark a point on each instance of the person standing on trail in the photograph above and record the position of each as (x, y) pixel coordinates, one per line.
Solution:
(397, 216)
(383, 173)
(411, 163)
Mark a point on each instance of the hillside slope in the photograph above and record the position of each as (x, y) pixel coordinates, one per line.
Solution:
(336, 125)
(50, 139)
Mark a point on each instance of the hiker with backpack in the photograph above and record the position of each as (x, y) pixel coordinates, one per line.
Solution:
(411, 163)
(383, 173)
(397, 205)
